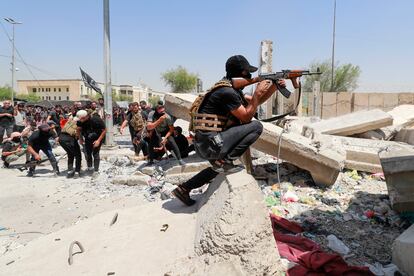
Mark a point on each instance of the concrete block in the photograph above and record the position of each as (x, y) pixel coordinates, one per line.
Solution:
(349, 124)
(187, 168)
(403, 251)
(361, 101)
(361, 154)
(344, 100)
(390, 101)
(375, 101)
(398, 165)
(405, 135)
(405, 98)
(328, 105)
(232, 222)
(324, 166)
(132, 180)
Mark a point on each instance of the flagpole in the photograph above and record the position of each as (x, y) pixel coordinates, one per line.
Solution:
(109, 141)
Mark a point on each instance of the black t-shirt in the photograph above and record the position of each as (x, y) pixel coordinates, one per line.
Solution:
(221, 101)
(182, 142)
(92, 128)
(6, 120)
(40, 138)
(55, 117)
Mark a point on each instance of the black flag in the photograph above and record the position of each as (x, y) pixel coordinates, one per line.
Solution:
(89, 82)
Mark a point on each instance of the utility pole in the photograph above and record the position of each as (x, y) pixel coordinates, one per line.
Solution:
(265, 66)
(13, 63)
(333, 47)
(109, 141)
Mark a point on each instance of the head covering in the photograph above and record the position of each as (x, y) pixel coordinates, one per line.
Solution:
(235, 65)
(44, 127)
(81, 114)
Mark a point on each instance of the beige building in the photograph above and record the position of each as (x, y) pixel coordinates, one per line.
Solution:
(56, 90)
(75, 89)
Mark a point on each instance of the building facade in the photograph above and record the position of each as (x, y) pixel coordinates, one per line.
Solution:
(75, 90)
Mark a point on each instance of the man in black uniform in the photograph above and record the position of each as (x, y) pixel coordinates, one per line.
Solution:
(55, 116)
(223, 124)
(91, 132)
(39, 141)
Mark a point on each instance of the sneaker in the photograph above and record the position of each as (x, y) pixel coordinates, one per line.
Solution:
(6, 164)
(183, 195)
(89, 171)
(77, 175)
(181, 162)
(30, 174)
(70, 174)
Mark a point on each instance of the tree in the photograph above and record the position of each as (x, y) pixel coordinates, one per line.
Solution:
(345, 77)
(5, 93)
(153, 100)
(31, 97)
(180, 80)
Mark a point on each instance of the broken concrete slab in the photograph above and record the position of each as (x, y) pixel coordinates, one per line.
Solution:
(324, 165)
(349, 124)
(233, 225)
(361, 154)
(403, 251)
(398, 165)
(403, 116)
(131, 180)
(405, 135)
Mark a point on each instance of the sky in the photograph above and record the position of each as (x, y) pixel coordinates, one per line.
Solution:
(150, 37)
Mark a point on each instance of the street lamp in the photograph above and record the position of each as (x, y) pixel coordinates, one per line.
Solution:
(13, 22)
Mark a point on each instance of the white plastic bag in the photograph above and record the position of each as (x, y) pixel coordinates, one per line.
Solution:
(337, 245)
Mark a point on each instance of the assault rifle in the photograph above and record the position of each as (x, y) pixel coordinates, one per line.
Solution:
(292, 75)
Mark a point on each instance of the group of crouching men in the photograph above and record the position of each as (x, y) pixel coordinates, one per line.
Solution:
(151, 130)
(221, 122)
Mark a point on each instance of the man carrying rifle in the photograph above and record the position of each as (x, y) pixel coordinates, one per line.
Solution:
(222, 122)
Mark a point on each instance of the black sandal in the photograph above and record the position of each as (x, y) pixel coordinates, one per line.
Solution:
(183, 196)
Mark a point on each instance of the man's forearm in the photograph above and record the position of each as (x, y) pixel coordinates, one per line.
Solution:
(151, 126)
(102, 135)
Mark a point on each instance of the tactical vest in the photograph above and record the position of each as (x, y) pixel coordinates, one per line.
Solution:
(70, 127)
(204, 121)
(137, 122)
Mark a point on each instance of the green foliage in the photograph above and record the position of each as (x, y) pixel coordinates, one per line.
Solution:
(120, 97)
(153, 100)
(180, 80)
(31, 97)
(5, 93)
(345, 77)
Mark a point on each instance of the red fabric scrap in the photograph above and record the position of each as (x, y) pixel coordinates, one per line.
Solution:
(307, 254)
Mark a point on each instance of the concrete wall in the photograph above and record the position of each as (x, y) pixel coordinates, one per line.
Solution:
(340, 103)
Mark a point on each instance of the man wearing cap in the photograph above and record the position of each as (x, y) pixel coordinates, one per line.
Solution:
(223, 126)
(12, 149)
(39, 141)
(161, 129)
(91, 132)
(68, 139)
(6, 120)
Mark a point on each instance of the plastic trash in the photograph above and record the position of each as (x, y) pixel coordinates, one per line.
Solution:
(382, 270)
(337, 245)
(272, 201)
(290, 196)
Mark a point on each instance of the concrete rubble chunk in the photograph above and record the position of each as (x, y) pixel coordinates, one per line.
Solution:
(323, 165)
(403, 116)
(132, 180)
(233, 225)
(360, 154)
(403, 251)
(405, 135)
(398, 166)
(349, 124)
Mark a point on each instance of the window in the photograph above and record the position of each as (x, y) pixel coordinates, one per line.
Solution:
(67, 89)
(130, 92)
(54, 98)
(59, 98)
(43, 98)
(34, 90)
(67, 98)
(54, 89)
(60, 89)
(43, 90)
